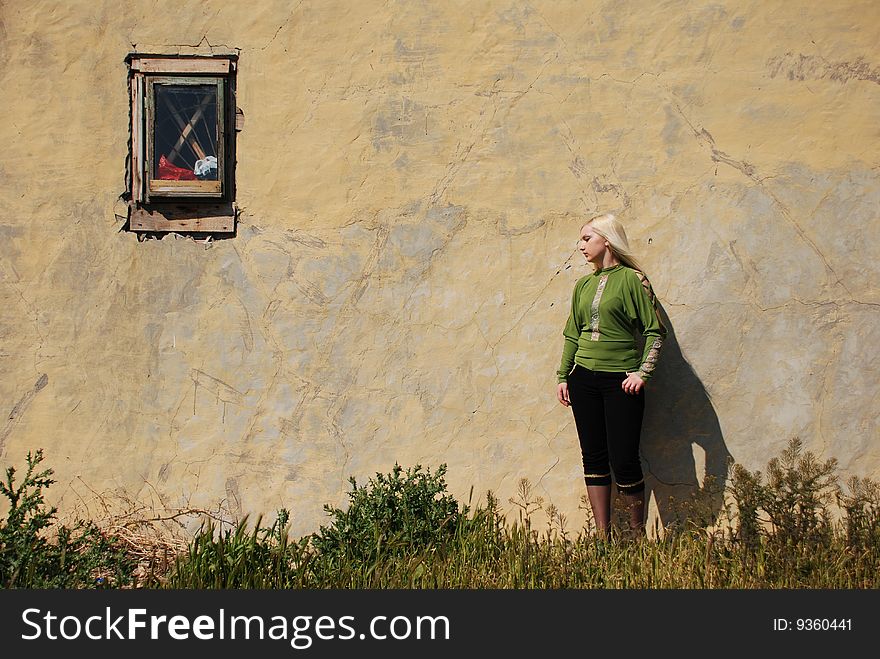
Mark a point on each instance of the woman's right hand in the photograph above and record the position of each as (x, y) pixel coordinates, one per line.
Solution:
(562, 393)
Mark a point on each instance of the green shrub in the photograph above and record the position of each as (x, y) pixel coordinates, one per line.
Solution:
(748, 493)
(79, 557)
(800, 489)
(796, 498)
(401, 513)
(862, 506)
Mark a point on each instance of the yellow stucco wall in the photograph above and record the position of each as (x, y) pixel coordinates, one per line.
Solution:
(411, 178)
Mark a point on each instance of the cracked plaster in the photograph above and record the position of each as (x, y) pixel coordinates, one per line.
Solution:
(411, 185)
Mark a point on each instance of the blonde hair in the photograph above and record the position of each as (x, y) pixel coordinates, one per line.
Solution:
(611, 229)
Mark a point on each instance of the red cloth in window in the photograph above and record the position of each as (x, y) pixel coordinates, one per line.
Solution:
(169, 172)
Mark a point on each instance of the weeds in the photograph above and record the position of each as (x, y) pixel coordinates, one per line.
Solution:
(403, 530)
(260, 558)
(862, 507)
(78, 557)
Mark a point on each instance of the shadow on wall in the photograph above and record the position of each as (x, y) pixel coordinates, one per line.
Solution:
(679, 418)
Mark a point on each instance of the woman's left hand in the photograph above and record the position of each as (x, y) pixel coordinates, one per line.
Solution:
(633, 383)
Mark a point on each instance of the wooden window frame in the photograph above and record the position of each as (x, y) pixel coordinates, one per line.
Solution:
(154, 187)
(158, 205)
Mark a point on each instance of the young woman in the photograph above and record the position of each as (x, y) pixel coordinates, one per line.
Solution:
(603, 372)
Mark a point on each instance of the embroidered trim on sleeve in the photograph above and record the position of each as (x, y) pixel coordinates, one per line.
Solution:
(654, 353)
(651, 360)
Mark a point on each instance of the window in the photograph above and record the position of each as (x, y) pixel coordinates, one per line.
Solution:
(182, 143)
(184, 121)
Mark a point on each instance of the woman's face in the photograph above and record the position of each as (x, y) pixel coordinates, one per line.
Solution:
(592, 245)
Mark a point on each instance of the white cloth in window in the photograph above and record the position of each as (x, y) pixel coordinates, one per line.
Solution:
(206, 167)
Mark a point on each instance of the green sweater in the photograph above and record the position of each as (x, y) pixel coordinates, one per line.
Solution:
(607, 308)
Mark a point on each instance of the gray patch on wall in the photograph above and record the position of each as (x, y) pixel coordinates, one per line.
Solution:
(20, 408)
(812, 67)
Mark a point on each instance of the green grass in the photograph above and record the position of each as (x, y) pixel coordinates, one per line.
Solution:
(796, 528)
(486, 552)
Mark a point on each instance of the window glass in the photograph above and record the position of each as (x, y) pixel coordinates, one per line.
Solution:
(186, 133)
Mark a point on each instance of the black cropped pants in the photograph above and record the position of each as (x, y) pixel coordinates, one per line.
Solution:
(609, 427)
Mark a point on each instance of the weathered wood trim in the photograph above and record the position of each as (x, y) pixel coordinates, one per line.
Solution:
(181, 65)
(148, 128)
(137, 129)
(214, 219)
(157, 188)
(188, 188)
